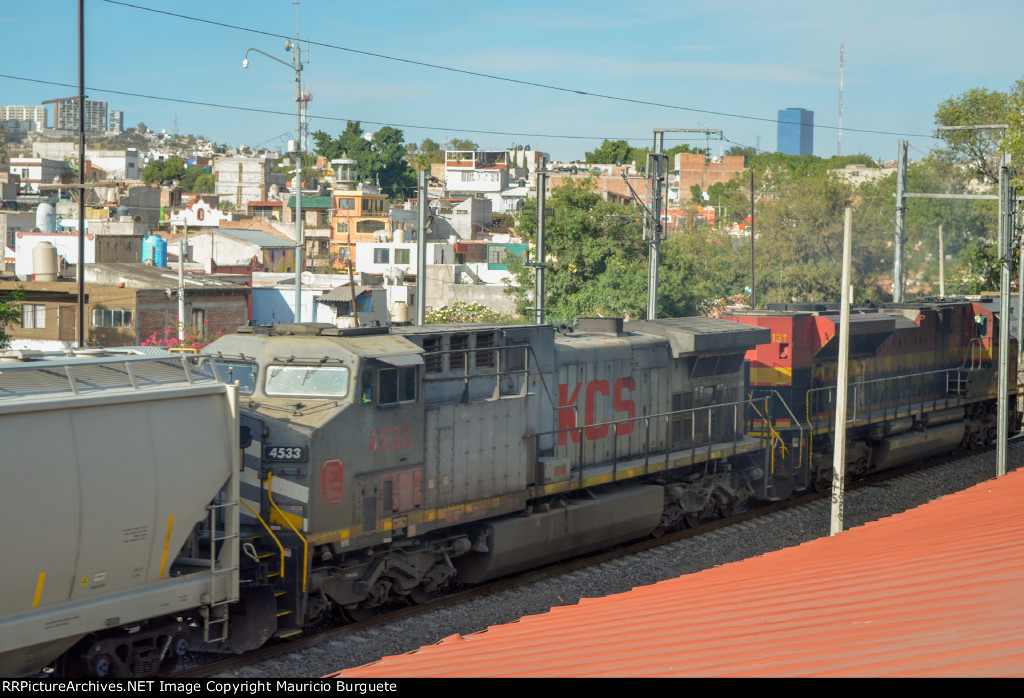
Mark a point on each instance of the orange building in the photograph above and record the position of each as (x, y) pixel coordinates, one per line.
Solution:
(356, 214)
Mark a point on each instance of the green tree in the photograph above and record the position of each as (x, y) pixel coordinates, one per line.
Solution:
(164, 171)
(205, 184)
(700, 269)
(10, 312)
(800, 234)
(381, 159)
(422, 156)
(586, 238)
(460, 144)
(610, 152)
(978, 150)
(597, 262)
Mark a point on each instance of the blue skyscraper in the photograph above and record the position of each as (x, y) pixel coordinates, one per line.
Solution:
(796, 131)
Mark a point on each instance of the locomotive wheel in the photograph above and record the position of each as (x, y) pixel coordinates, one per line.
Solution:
(418, 596)
(691, 519)
(356, 614)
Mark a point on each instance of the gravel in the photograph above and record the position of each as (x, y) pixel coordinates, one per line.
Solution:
(744, 540)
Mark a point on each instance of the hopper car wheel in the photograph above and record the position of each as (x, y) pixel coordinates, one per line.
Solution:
(69, 666)
(101, 666)
(178, 648)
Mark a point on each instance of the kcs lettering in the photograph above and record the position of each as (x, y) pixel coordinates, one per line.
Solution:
(593, 391)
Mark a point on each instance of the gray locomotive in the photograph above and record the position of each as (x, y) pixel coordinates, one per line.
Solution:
(385, 464)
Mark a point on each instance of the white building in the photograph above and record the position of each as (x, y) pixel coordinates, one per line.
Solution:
(36, 171)
(200, 214)
(117, 164)
(475, 171)
(382, 257)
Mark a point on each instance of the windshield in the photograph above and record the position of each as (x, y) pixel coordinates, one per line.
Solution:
(230, 371)
(312, 381)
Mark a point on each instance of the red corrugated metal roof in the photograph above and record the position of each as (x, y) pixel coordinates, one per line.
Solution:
(935, 591)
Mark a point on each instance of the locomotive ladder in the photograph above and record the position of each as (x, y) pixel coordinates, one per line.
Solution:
(216, 612)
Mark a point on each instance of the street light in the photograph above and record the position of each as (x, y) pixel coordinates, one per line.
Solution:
(296, 65)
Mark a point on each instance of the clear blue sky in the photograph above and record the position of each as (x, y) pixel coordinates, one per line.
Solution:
(740, 58)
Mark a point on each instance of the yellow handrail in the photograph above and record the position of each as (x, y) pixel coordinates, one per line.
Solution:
(775, 436)
(280, 546)
(286, 518)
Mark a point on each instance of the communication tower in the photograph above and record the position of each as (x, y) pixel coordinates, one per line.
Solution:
(839, 145)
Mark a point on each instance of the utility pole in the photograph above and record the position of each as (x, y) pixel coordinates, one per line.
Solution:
(1007, 206)
(753, 297)
(901, 216)
(81, 174)
(842, 380)
(300, 243)
(942, 265)
(421, 251)
(182, 252)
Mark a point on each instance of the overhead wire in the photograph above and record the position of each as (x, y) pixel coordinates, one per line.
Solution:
(261, 110)
(502, 78)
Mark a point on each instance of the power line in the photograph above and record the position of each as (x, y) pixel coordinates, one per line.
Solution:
(324, 118)
(525, 83)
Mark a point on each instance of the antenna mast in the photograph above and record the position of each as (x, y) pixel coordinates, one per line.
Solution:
(839, 145)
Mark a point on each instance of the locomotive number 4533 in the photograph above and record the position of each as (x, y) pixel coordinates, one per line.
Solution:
(285, 453)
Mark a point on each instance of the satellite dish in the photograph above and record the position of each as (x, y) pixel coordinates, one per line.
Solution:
(287, 45)
(307, 278)
(368, 136)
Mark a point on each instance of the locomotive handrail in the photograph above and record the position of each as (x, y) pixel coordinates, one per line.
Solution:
(277, 541)
(904, 402)
(693, 444)
(287, 522)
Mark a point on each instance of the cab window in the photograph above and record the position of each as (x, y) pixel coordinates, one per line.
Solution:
(394, 385)
(307, 381)
(228, 371)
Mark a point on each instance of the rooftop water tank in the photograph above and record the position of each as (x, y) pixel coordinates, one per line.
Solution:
(46, 218)
(44, 262)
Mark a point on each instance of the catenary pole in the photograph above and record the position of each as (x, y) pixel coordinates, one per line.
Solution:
(542, 184)
(654, 255)
(901, 215)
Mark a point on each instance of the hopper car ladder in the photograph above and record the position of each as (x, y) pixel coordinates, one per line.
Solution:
(216, 612)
